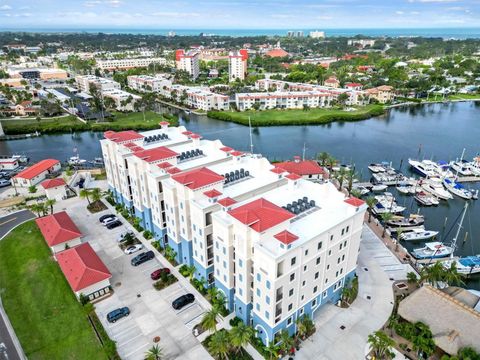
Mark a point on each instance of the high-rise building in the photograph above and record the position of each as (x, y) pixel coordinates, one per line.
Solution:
(188, 61)
(317, 34)
(237, 65)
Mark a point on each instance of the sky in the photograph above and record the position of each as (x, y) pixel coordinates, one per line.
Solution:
(237, 14)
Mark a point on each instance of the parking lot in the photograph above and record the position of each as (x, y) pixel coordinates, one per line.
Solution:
(151, 313)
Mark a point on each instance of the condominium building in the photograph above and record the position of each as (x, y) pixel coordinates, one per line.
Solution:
(124, 64)
(196, 97)
(317, 34)
(124, 101)
(146, 83)
(188, 61)
(382, 94)
(276, 245)
(283, 100)
(237, 65)
(102, 84)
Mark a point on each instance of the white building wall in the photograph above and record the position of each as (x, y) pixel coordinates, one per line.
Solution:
(60, 247)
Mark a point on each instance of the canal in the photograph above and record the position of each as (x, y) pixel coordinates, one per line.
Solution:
(435, 131)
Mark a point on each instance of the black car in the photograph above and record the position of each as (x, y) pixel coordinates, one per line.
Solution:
(182, 301)
(117, 314)
(113, 224)
(141, 258)
(105, 217)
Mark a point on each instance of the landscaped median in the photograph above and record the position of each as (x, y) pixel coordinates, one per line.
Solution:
(66, 124)
(297, 117)
(48, 320)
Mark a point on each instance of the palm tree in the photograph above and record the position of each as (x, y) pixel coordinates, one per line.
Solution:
(385, 218)
(38, 208)
(50, 203)
(355, 193)
(451, 275)
(240, 335)
(85, 194)
(323, 157)
(213, 293)
(341, 176)
(305, 327)
(371, 202)
(412, 277)
(286, 341)
(190, 269)
(96, 194)
(154, 353)
(432, 274)
(331, 161)
(219, 344)
(380, 345)
(272, 351)
(209, 319)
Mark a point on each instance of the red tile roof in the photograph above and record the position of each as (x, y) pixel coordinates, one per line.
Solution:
(187, 133)
(353, 85)
(354, 201)
(277, 53)
(227, 201)
(305, 167)
(173, 170)
(164, 165)
(198, 178)
(226, 148)
(122, 136)
(82, 267)
(212, 193)
(285, 237)
(37, 169)
(196, 136)
(52, 183)
(293, 176)
(277, 170)
(164, 123)
(155, 154)
(58, 228)
(260, 214)
(236, 153)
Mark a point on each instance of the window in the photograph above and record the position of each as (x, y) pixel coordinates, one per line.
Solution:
(318, 260)
(224, 264)
(240, 292)
(290, 306)
(225, 278)
(293, 261)
(324, 294)
(292, 277)
(290, 292)
(306, 252)
(331, 237)
(328, 266)
(316, 275)
(289, 321)
(326, 280)
(345, 243)
(218, 272)
(304, 283)
(216, 244)
(301, 311)
(305, 268)
(319, 246)
(267, 299)
(341, 270)
(341, 246)
(343, 257)
(315, 289)
(268, 284)
(259, 293)
(348, 228)
(257, 306)
(240, 277)
(338, 261)
(267, 315)
(194, 227)
(336, 273)
(181, 205)
(314, 302)
(224, 250)
(303, 297)
(240, 262)
(259, 277)
(217, 259)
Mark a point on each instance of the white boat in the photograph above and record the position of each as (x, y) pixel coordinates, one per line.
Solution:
(404, 189)
(433, 250)
(386, 204)
(379, 187)
(428, 168)
(457, 189)
(426, 199)
(475, 166)
(394, 230)
(375, 168)
(20, 158)
(435, 187)
(417, 235)
(405, 222)
(75, 160)
(461, 167)
(363, 190)
(467, 265)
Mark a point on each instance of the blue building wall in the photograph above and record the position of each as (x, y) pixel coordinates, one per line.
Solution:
(126, 202)
(202, 272)
(139, 215)
(147, 219)
(242, 310)
(186, 257)
(229, 294)
(266, 333)
(177, 247)
(159, 233)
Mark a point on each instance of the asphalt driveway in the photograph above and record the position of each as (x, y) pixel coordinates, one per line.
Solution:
(9, 222)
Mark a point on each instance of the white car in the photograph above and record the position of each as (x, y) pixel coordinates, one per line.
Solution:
(133, 249)
(122, 236)
(109, 220)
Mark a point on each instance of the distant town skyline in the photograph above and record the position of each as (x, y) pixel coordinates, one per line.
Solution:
(248, 14)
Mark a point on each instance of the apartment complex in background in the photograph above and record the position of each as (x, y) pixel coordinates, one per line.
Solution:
(124, 101)
(276, 245)
(237, 65)
(125, 64)
(188, 61)
(147, 83)
(317, 34)
(37, 73)
(102, 84)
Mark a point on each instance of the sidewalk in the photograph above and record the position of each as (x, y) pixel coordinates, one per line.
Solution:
(10, 347)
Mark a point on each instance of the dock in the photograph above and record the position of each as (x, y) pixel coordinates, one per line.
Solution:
(462, 179)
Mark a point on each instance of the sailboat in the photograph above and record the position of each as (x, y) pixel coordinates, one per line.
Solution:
(457, 189)
(438, 250)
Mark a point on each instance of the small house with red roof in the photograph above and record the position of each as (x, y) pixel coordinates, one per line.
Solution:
(333, 82)
(277, 52)
(55, 189)
(354, 86)
(36, 173)
(85, 272)
(59, 231)
(308, 169)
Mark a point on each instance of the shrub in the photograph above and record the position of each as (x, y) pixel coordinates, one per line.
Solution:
(147, 234)
(235, 321)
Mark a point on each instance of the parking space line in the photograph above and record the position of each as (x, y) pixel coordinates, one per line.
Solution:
(131, 339)
(138, 348)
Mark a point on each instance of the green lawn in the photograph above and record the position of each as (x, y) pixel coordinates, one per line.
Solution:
(44, 312)
(120, 121)
(297, 117)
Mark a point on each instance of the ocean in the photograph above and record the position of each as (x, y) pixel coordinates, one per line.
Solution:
(446, 33)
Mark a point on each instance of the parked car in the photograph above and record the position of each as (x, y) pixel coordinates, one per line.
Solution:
(109, 220)
(113, 224)
(182, 301)
(80, 183)
(141, 258)
(158, 273)
(105, 217)
(123, 236)
(5, 183)
(117, 314)
(133, 249)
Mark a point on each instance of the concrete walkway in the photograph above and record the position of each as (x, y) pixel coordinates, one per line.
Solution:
(377, 267)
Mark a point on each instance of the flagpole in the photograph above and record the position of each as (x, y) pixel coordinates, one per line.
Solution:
(250, 130)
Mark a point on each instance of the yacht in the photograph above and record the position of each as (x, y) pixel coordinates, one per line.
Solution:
(435, 187)
(363, 190)
(467, 265)
(433, 250)
(379, 187)
(461, 167)
(428, 168)
(75, 160)
(475, 166)
(426, 199)
(406, 222)
(386, 204)
(375, 168)
(457, 189)
(417, 235)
